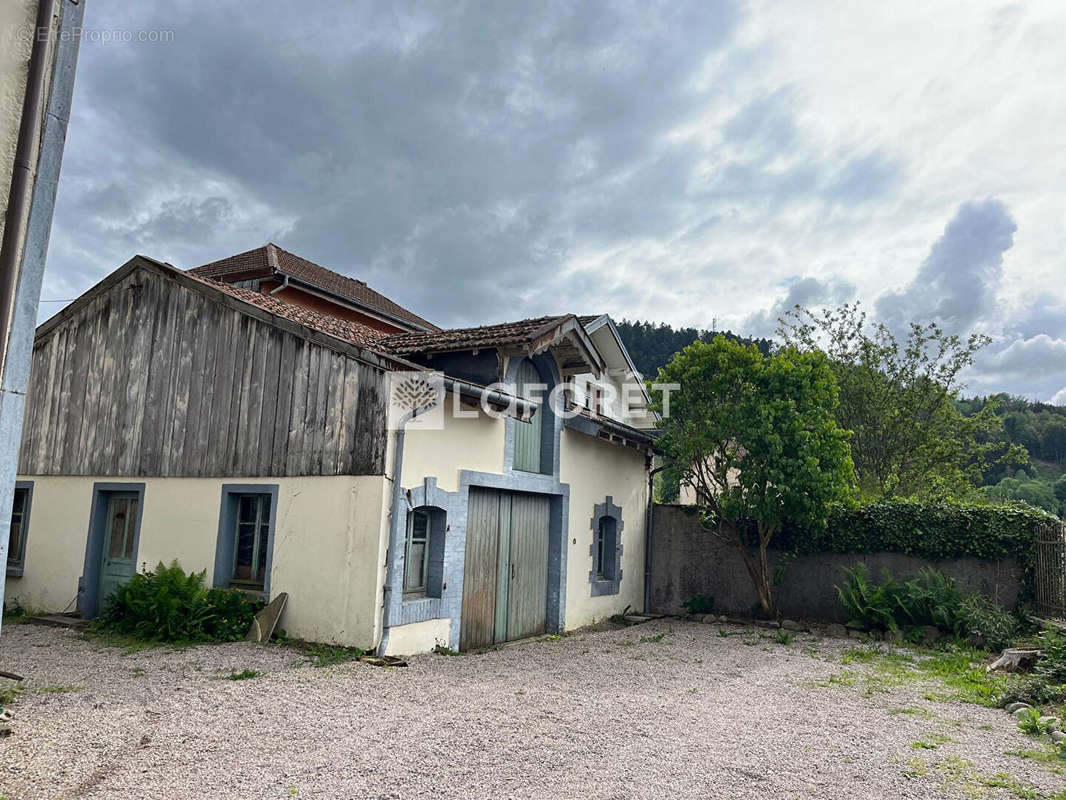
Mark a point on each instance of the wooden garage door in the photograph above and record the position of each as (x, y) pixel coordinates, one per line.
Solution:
(505, 580)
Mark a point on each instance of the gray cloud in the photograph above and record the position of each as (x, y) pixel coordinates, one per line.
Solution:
(807, 292)
(957, 282)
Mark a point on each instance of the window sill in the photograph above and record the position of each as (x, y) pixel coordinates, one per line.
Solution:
(14, 571)
(601, 587)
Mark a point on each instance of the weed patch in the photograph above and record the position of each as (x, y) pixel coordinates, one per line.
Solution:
(243, 675)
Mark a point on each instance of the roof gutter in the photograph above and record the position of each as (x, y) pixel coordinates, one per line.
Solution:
(501, 401)
(22, 176)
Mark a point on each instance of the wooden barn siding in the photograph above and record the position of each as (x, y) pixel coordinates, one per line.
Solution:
(155, 379)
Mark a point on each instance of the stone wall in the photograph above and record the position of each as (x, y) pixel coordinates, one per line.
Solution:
(686, 562)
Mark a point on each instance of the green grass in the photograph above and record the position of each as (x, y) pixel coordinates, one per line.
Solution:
(327, 655)
(128, 644)
(654, 639)
(442, 650)
(9, 695)
(17, 615)
(783, 637)
(920, 745)
(58, 689)
(243, 675)
(915, 712)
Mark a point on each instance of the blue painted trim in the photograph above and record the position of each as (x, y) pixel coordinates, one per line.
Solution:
(400, 611)
(600, 586)
(16, 570)
(89, 583)
(227, 521)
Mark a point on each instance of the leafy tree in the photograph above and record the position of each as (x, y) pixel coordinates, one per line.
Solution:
(898, 400)
(1028, 490)
(755, 437)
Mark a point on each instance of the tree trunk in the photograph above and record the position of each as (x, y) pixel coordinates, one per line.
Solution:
(759, 572)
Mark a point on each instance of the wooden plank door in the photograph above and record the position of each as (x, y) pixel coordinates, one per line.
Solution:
(527, 434)
(478, 622)
(117, 558)
(527, 598)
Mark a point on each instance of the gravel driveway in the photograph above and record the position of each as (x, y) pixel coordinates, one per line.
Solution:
(613, 714)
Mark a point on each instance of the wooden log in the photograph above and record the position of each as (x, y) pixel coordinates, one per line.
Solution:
(1014, 659)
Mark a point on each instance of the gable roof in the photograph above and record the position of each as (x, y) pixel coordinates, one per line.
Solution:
(270, 259)
(352, 338)
(563, 335)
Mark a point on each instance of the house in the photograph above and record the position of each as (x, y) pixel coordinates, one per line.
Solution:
(253, 418)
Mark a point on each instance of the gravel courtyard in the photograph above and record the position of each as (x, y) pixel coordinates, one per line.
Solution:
(662, 710)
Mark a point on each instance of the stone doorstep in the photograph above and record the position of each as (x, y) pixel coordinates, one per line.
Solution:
(58, 621)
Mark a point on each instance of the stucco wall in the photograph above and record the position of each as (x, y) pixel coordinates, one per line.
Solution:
(595, 469)
(329, 545)
(472, 444)
(687, 562)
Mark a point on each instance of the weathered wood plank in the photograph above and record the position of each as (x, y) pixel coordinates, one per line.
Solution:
(286, 367)
(297, 416)
(156, 378)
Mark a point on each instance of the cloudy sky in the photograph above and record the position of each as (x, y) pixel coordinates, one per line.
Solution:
(701, 163)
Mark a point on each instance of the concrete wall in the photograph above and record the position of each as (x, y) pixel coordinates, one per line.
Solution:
(17, 17)
(595, 469)
(329, 545)
(687, 562)
(475, 444)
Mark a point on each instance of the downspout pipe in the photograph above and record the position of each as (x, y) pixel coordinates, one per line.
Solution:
(397, 494)
(649, 525)
(482, 393)
(22, 176)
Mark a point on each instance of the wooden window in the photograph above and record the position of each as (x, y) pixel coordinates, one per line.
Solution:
(416, 555)
(251, 539)
(20, 517)
(606, 549)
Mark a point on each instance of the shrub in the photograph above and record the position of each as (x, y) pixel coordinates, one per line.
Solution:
(168, 605)
(700, 604)
(1036, 690)
(1052, 664)
(927, 597)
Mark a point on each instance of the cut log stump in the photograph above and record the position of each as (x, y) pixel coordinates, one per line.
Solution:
(1014, 659)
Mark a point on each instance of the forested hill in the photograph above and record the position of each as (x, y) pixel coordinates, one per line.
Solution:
(652, 344)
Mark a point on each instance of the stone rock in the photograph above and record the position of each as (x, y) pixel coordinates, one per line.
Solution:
(1058, 737)
(791, 625)
(723, 618)
(836, 630)
(931, 633)
(894, 636)
(766, 623)
(1020, 712)
(1012, 707)
(1049, 721)
(708, 619)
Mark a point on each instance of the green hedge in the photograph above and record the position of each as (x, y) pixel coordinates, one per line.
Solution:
(932, 531)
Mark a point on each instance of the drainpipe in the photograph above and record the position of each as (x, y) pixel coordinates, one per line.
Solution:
(276, 289)
(524, 407)
(648, 528)
(397, 493)
(21, 283)
(22, 175)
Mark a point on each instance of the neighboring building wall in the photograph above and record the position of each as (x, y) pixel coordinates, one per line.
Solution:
(688, 562)
(329, 545)
(299, 297)
(152, 377)
(594, 470)
(15, 15)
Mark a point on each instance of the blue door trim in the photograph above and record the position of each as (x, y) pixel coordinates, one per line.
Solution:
(89, 582)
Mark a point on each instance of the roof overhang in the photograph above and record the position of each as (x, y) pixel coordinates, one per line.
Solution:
(568, 341)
